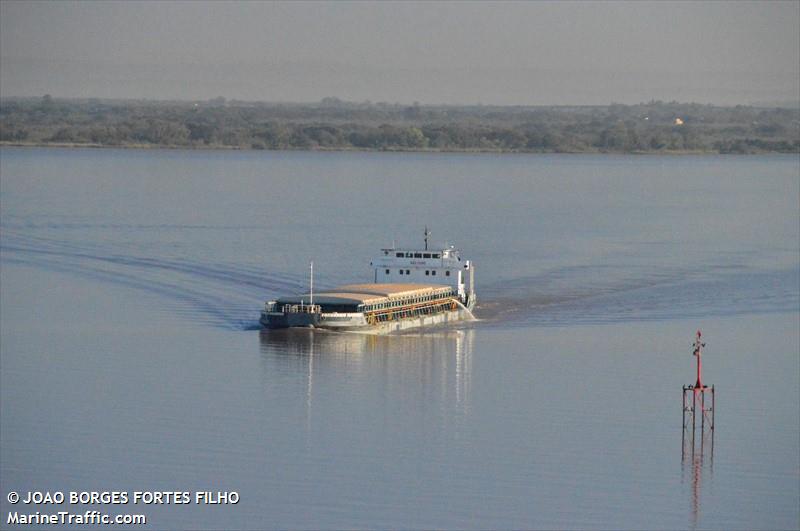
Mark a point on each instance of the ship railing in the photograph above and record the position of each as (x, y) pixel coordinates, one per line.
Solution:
(302, 308)
(413, 310)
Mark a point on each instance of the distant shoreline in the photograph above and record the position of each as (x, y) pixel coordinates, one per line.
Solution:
(56, 145)
(334, 125)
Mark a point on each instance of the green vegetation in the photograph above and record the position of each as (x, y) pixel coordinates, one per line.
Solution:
(332, 124)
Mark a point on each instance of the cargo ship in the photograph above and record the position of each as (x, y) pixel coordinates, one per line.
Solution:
(411, 288)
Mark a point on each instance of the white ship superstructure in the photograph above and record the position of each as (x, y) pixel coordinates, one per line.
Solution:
(411, 288)
(427, 267)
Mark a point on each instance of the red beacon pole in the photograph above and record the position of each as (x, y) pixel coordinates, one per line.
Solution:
(694, 406)
(698, 351)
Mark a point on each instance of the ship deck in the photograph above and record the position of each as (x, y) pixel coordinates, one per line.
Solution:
(355, 294)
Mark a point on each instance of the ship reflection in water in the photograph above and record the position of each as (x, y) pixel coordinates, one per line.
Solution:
(420, 371)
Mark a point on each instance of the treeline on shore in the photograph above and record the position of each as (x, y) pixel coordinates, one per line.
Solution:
(332, 124)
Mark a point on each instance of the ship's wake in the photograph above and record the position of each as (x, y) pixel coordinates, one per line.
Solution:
(598, 295)
(226, 295)
(230, 295)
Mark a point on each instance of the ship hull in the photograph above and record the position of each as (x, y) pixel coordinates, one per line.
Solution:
(357, 322)
(423, 321)
(289, 320)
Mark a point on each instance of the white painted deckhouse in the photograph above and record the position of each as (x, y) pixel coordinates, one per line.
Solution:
(411, 288)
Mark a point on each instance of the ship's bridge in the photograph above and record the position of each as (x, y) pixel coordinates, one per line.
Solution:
(425, 266)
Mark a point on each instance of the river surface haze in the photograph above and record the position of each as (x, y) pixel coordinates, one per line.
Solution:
(131, 357)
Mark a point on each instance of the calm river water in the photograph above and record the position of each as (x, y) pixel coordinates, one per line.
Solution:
(132, 361)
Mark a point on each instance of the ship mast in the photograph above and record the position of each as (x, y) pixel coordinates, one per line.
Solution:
(427, 233)
(312, 283)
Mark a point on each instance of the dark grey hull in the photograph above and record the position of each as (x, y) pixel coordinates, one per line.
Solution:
(357, 322)
(289, 320)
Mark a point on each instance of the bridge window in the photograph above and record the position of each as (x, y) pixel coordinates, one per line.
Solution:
(433, 272)
(427, 272)
(408, 272)
(387, 271)
(435, 255)
(417, 255)
(447, 273)
(401, 271)
(409, 255)
(399, 255)
(426, 255)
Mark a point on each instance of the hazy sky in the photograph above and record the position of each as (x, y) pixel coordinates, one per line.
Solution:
(450, 52)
